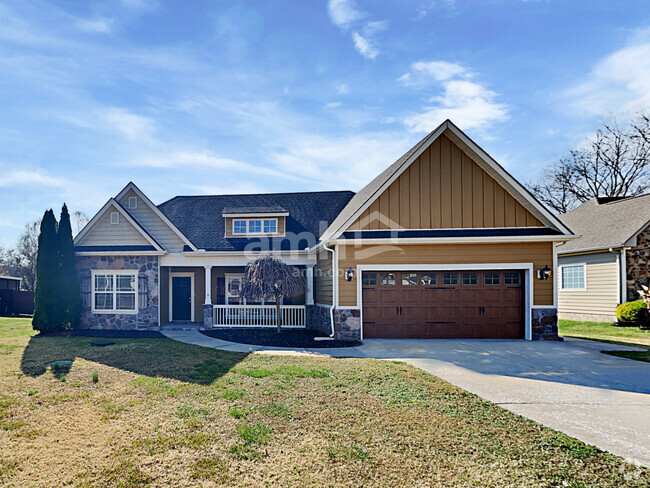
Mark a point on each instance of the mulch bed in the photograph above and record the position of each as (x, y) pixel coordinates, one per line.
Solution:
(111, 334)
(270, 337)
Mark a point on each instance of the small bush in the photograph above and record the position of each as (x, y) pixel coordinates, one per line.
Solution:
(95, 377)
(635, 311)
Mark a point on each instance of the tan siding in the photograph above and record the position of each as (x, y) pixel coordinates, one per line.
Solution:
(601, 296)
(445, 188)
(323, 279)
(148, 219)
(164, 295)
(107, 234)
(539, 253)
(281, 225)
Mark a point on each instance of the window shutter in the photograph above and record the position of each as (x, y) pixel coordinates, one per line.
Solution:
(143, 290)
(86, 294)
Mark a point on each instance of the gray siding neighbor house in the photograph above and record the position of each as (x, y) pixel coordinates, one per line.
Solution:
(610, 261)
(442, 244)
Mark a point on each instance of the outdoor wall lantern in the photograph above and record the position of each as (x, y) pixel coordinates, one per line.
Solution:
(349, 274)
(544, 273)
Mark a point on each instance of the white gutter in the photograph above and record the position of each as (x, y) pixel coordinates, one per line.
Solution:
(454, 240)
(335, 279)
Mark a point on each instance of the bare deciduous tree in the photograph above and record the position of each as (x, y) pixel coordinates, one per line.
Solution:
(79, 221)
(615, 162)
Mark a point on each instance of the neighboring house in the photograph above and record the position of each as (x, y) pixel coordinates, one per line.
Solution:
(9, 283)
(608, 264)
(13, 300)
(444, 243)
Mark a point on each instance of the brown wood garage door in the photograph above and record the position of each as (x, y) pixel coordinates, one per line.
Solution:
(443, 305)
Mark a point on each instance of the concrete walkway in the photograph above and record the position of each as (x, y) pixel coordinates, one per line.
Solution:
(569, 386)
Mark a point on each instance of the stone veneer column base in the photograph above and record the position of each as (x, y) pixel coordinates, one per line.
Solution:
(207, 316)
(318, 319)
(545, 324)
(347, 324)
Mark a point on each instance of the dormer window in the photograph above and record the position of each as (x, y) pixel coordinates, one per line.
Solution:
(254, 226)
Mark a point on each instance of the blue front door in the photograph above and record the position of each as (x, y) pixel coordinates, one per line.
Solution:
(181, 298)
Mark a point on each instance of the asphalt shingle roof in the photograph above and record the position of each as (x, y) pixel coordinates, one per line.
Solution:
(200, 219)
(604, 223)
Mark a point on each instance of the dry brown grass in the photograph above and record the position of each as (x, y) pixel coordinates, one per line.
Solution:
(169, 414)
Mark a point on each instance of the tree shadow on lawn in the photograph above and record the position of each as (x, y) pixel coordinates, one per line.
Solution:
(149, 357)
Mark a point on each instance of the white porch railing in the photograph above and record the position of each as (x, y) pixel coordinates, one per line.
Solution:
(293, 316)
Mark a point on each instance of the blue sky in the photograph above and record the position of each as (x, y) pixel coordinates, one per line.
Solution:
(261, 96)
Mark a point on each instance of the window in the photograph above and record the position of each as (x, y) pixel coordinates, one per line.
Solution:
(133, 202)
(254, 226)
(270, 226)
(450, 278)
(409, 279)
(387, 279)
(369, 279)
(573, 277)
(512, 278)
(428, 279)
(492, 279)
(115, 218)
(470, 279)
(115, 292)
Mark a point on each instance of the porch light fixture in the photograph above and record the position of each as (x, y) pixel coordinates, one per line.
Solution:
(544, 273)
(349, 274)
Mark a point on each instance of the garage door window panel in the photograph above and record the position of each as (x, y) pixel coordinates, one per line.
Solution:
(450, 279)
(428, 279)
(387, 279)
(492, 278)
(470, 278)
(369, 279)
(409, 279)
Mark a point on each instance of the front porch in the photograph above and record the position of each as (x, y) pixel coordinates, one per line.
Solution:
(210, 295)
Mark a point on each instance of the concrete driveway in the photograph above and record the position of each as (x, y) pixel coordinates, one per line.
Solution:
(569, 386)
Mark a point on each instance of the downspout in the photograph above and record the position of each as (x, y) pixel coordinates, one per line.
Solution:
(335, 283)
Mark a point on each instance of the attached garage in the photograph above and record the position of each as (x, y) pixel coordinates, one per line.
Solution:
(447, 304)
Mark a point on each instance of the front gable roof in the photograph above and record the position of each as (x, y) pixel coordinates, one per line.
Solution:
(371, 192)
(145, 239)
(604, 223)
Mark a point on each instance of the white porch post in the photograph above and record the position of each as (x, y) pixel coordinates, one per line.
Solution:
(207, 305)
(309, 298)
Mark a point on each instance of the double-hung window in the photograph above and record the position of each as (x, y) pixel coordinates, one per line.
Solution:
(573, 277)
(114, 292)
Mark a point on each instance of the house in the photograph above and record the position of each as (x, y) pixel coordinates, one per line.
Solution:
(608, 264)
(9, 283)
(444, 243)
(13, 300)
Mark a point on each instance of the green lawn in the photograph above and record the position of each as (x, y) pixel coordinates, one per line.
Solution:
(606, 332)
(154, 412)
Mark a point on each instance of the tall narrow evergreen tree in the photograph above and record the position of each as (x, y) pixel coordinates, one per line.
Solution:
(47, 267)
(69, 306)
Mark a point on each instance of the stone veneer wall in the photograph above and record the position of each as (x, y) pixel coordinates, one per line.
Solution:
(318, 319)
(545, 324)
(347, 324)
(638, 265)
(148, 276)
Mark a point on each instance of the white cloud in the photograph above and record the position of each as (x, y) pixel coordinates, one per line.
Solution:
(33, 177)
(332, 105)
(467, 103)
(344, 12)
(128, 124)
(100, 26)
(364, 43)
(619, 83)
(343, 89)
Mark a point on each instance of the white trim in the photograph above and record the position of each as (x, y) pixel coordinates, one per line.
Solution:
(133, 203)
(115, 272)
(555, 285)
(309, 277)
(120, 253)
(451, 240)
(232, 258)
(254, 215)
(622, 275)
(404, 229)
(526, 267)
(589, 250)
(560, 284)
(149, 203)
(487, 159)
(248, 233)
(10, 278)
(115, 218)
(98, 217)
(171, 295)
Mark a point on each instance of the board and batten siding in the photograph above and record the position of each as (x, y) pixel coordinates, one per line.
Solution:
(444, 188)
(148, 219)
(538, 253)
(601, 296)
(323, 279)
(106, 234)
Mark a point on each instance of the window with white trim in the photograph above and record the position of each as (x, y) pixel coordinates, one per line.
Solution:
(115, 218)
(114, 292)
(254, 226)
(573, 277)
(133, 202)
